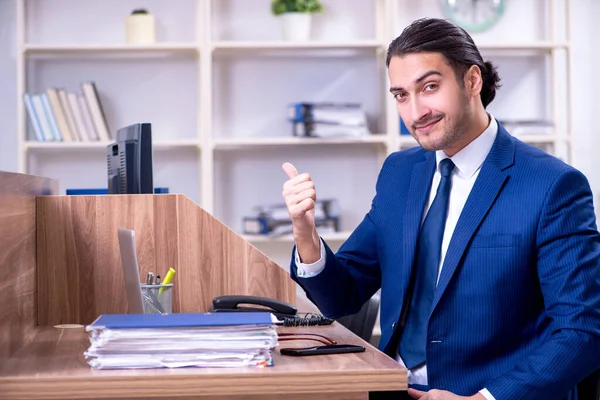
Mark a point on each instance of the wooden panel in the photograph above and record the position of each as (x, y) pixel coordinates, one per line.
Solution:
(17, 256)
(221, 262)
(53, 367)
(79, 266)
(167, 237)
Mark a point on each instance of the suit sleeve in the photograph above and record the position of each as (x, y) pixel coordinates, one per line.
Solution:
(568, 265)
(352, 275)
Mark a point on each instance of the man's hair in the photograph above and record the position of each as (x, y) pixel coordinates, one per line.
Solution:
(431, 35)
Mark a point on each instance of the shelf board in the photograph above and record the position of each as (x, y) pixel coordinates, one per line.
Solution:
(176, 47)
(66, 146)
(328, 237)
(99, 48)
(409, 141)
(294, 140)
(537, 139)
(528, 46)
(309, 45)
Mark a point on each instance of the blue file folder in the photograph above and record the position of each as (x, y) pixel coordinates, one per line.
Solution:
(117, 321)
(92, 191)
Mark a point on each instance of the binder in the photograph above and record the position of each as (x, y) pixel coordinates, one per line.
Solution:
(180, 320)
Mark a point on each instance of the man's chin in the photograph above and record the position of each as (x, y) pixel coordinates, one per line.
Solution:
(428, 144)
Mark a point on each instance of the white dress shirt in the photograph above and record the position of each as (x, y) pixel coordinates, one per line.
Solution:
(467, 163)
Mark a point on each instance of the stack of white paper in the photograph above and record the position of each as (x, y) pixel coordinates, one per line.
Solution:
(180, 346)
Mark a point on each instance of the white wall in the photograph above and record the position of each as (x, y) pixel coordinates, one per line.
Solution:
(8, 87)
(585, 85)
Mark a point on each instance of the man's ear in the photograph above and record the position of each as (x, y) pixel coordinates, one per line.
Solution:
(474, 80)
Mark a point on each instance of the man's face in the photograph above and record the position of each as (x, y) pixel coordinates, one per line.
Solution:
(434, 106)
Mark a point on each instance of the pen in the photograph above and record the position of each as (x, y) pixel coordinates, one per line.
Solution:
(158, 279)
(150, 278)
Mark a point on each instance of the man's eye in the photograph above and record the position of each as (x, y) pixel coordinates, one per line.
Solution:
(431, 86)
(399, 96)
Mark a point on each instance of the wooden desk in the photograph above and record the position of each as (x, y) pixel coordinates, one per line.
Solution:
(76, 276)
(52, 366)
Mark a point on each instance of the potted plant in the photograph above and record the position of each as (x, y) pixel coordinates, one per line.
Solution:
(296, 16)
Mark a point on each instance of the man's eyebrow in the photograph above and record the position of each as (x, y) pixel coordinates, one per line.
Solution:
(418, 80)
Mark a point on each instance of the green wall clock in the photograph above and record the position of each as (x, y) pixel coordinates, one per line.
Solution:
(474, 15)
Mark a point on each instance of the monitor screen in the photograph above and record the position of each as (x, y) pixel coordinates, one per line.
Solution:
(130, 160)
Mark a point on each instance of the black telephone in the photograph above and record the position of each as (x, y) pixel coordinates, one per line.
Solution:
(240, 303)
(283, 311)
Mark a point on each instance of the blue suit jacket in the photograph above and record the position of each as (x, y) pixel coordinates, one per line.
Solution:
(517, 307)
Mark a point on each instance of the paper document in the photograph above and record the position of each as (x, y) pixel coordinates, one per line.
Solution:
(199, 340)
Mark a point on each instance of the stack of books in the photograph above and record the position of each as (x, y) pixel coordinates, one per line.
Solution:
(127, 341)
(275, 220)
(58, 115)
(328, 119)
(528, 127)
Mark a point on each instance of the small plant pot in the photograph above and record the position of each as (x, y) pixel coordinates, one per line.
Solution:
(296, 26)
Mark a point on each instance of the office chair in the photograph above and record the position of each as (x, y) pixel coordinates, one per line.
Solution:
(363, 322)
(589, 388)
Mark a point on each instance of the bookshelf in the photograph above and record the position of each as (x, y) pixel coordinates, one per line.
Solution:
(297, 141)
(76, 146)
(329, 237)
(108, 48)
(216, 83)
(282, 45)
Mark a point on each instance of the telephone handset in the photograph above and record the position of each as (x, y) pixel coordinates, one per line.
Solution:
(283, 311)
(244, 303)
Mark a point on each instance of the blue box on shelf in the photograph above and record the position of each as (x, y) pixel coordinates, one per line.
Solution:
(403, 128)
(92, 191)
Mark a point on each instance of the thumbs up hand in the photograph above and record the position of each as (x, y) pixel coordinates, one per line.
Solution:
(300, 197)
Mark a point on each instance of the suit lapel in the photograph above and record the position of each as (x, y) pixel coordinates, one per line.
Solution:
(487, 187)
(418, 194)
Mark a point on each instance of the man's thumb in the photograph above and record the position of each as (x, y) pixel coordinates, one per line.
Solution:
(290, 170)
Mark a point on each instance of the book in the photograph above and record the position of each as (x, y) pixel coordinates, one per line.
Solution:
(42, 117)
(78, 116)
(33, 118)
(59, 114)
(92, 98)
(50, 117)
(70, 119)
(87, 118)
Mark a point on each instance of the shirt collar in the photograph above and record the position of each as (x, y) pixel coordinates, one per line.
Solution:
(468, 160)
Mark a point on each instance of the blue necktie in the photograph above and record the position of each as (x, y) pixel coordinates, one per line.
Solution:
(429, 247)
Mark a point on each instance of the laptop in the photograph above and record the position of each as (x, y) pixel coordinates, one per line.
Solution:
(131, 271)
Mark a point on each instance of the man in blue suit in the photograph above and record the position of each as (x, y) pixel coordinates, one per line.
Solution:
(485, 249)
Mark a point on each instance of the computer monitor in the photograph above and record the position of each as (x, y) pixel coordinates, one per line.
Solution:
(130, 160)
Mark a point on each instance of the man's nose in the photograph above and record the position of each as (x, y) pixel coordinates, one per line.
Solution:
(417, 110)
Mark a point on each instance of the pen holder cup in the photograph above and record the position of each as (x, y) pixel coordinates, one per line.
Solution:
(157, 299)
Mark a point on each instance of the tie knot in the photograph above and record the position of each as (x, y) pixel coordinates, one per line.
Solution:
(446, 167)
